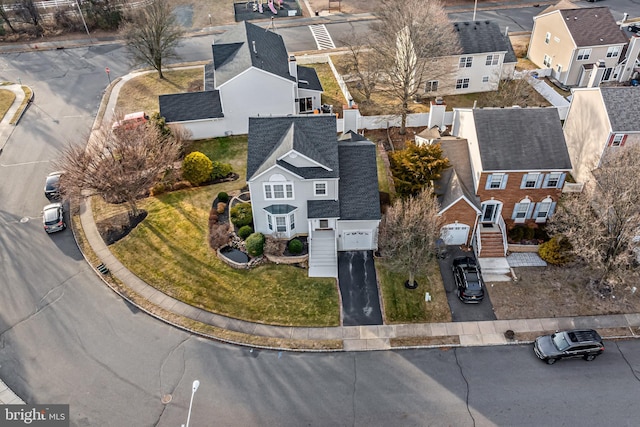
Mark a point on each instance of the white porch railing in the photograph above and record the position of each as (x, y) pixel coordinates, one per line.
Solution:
(503, 231)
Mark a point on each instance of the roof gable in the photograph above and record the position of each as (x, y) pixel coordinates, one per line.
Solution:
(247, 45)
(483, 37)
(358, 192)
(520, 139)
(623, 107)
(592, 26)
(314, 136)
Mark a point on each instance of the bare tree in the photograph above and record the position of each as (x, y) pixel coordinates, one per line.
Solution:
(28, 13)
(121, 167)
(408, 233)
(153, 35)
(510, 92)
(5, 16)
(360, 64)
(408, 39)
(602, 221)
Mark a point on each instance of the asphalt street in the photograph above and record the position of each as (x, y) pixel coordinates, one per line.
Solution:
(66, 338)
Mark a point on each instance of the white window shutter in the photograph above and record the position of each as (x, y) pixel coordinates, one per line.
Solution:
(503, 184)
(546, 180)
(536, 210)
(529, 211)
(552, 208)
(539, 181)
(488, 184)
(515, 211)
(561, 180)
(523, 183)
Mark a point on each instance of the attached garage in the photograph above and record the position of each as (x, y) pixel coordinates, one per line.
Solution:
(356, 240)
(455, 234)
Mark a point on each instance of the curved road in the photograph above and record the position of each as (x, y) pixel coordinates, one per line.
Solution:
(66, 338)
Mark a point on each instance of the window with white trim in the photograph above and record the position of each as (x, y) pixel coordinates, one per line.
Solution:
(465, 62)
(617, 139)
(324, 223)
(431, 86)
(306, 105)
(584, 54)
(531, 180)
(553, 180)
(320, 188)
(544, 210)
(281, 223)
(496, 181)
(547, 61)
(492, 59)
(292, 221)
(547, 38)
(485, 79)
(522, 210)
(558, 68)
(462, 83)
(281, 191)
(613, 51)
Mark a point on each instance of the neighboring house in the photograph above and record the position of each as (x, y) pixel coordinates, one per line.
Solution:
(305, 181)
(508, 168)
(570, 40)
(486, 57)
(599, 120)
(251, 75)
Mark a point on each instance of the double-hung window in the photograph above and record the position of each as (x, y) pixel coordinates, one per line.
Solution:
(584, 54)
(613, 51)
(496, 181)
(547, 38)
(281, 223)
(618, 140)
(320, 188)
(547, 61)
(485, 79)
(306, 105)
(522, 210)
(278, 191)
(462, 83)
(554, 180)
(531, 180)
(431, 86)
(465, 62)
(544, 210)
(492, 59)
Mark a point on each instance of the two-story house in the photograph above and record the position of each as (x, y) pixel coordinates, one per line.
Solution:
(513, 173)
(304, 180)
(486, 56)
(251, 74)
(570, 40)
(599, 120)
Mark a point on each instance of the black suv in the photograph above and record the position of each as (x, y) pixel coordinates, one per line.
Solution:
(585, 343)
(469, 286)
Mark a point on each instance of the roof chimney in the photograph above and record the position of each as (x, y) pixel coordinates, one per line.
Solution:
(293, 67)
(596, 74)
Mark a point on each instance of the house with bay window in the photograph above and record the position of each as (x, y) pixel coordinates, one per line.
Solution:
(508, 167)
(251, 74)
(304, 180)
(570, 40)
(600, 120)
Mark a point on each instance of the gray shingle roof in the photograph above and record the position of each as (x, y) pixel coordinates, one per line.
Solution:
(456, 181)
(313, 136)
(592, 26)
(521, 139)
(323, 209)
(310, 76)
(247, 45)
(623, 107)
(483, 37)
(358, 189)
(178, 107)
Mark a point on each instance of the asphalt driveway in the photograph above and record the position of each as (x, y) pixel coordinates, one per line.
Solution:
(359, 289)
(461, 312)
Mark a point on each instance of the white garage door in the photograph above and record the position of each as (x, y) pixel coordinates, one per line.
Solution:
(455, 234)
(356, 240)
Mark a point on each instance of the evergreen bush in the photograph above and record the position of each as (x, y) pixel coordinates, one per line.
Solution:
(556, 251)
(241, 215)
(196, 168)
(295, 246)
(255, 244)
(245, 231)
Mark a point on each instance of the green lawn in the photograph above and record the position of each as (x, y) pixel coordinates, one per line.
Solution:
(402, 305)
(332, 94)
(228, 149)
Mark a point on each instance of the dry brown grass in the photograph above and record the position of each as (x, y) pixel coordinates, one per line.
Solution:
(361, 6)
(557, 292)
(520, 43)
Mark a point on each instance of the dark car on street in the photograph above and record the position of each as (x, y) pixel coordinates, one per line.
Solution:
(53, 218)
(634, 28)
(585, 343)
(52, 186)
(469, 284)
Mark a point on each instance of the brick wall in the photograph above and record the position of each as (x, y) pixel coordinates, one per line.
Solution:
(461, 212)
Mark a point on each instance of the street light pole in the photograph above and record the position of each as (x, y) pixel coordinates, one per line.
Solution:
(475, 6)
(194, 388)
(83, 21)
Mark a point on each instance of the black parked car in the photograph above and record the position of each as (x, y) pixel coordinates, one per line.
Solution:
(585, 343)
(634, 28)
(52, 186)
(469, 285)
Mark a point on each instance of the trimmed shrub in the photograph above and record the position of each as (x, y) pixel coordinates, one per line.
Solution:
(220, 170)
(157, 189)
(516, 234)
(223, 197)
(556, 251)
(180, 185)
(241, 215)
(196, 168)
(255, 244)
(221, 207)
(529, 232)
(540, 233)
(245, 231)
(295, 246)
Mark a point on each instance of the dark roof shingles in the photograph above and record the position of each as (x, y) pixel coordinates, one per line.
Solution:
(358, 191)
(592, 26)
(623, 107)
(483, 37)
(178, 107)
(308, 79)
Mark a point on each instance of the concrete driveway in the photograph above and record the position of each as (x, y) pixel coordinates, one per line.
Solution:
(461, 312)
(359, 289)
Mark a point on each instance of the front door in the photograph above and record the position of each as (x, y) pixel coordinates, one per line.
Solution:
(607, 74)
(490, 211)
